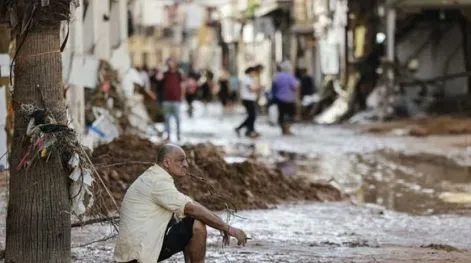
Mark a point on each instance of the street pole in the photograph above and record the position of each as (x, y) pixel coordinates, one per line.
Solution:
(389, 66)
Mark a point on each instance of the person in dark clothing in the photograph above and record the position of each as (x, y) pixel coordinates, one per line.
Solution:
(207, 88)
(307, 84)
(307, 89)
(150, 97)
(160, 88)
(224, 89)
(153, 79)
(191, 89)
(249, 122)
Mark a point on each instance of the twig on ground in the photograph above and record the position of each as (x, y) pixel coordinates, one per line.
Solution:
(94, 221)
(96, 241)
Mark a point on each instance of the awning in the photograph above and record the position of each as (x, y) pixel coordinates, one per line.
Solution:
(269, 6)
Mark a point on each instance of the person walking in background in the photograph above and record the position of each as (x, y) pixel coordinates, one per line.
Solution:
(248, 93)
(172, 96)
(224, 88)
(207, 88)
(285, 94)
(191, 89)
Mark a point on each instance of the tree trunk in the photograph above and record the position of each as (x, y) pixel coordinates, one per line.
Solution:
(465, 40)
(38, 220)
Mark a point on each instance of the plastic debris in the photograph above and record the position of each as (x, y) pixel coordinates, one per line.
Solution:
(74, 161)
(76, 174)
(79, 190)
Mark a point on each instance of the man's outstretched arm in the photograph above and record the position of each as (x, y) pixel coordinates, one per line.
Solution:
(201, 213)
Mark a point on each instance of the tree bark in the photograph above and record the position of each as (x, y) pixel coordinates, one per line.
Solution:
(38, 219)
(465, 40)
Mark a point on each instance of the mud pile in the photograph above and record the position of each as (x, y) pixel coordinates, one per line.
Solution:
(420, 127)
(211, 181)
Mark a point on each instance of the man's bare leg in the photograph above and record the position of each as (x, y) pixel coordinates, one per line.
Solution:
(186, 254)
(196, 249)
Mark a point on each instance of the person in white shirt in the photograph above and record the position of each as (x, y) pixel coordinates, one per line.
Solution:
(248, 94)
(157, 221)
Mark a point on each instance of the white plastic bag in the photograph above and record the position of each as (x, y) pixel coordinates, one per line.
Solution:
(103, 127)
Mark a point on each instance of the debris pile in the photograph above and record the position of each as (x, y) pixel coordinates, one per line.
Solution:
(212, 182)
(119, 163)
(108, 95)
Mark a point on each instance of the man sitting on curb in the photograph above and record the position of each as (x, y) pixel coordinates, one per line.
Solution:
(157, 221)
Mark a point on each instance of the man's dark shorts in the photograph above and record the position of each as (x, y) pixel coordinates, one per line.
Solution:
(177, 237)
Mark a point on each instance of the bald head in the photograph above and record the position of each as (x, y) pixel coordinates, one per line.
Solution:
(172, 158)
(168, 150)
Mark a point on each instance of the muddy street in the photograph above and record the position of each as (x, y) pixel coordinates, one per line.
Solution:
(328, 232)
(406, 198)
(306, 131)
(396, 210)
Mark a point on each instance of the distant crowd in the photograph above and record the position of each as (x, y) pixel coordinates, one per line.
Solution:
(172, 87)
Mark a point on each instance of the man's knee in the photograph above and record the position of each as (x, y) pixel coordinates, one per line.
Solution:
(199, 229)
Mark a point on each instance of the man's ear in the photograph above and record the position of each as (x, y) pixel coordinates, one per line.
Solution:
(165, 164)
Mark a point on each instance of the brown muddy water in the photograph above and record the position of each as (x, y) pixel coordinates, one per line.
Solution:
(419, 183)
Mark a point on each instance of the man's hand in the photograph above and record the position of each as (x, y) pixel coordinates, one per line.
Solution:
(238, 234)
(226, 239)
(153, 96)
(201, 213)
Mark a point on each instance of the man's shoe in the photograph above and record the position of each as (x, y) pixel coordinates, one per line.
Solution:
(253, 135)
(237, 131)
(285, 130)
